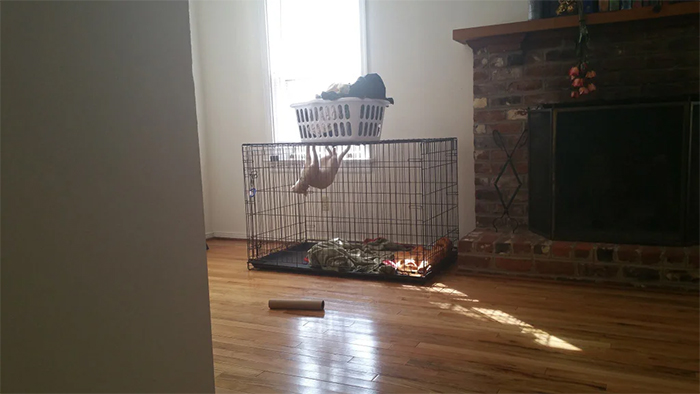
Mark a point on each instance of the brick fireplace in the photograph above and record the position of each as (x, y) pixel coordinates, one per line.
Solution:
(647, 59)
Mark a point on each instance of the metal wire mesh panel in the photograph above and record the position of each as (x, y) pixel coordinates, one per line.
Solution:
(390, 210)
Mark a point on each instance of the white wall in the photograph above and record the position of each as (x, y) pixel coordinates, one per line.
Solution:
(231, 39)
(104, 277)
(200, 99)
(430, 76)
(409, 44)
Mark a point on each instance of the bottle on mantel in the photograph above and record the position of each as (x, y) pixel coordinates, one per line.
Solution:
(636, 3)
(625, 4)
(535, 9)
(603, 5)
(539, 9)
(614, 5)
(549, 9)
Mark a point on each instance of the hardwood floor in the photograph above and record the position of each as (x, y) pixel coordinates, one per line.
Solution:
(457, 334)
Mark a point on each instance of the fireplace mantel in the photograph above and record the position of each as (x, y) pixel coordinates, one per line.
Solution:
(478, 37)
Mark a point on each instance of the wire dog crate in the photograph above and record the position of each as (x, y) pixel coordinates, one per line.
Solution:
(390, 212)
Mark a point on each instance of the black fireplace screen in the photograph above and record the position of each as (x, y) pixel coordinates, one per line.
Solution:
(615, 173)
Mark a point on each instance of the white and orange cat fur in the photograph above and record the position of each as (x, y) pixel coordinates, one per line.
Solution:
(319, 173)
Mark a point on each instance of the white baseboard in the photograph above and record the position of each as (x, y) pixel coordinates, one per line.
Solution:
(209, 235)
(226, 234)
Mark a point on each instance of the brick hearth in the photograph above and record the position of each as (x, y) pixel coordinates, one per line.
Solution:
(529, 255)
(633, 60)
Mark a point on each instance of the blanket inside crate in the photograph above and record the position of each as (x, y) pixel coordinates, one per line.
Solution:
(376, 256)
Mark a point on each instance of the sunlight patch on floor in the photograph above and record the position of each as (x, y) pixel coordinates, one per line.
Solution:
(442, 289)
(459, 309)
(542, 337)
(484, 314)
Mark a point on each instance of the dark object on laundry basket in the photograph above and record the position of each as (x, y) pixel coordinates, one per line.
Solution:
(369, 86)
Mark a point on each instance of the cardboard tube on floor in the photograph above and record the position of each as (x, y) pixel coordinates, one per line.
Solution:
(312, 305)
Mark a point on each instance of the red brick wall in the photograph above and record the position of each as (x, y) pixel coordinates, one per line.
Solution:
(531, 256)
(653, 58)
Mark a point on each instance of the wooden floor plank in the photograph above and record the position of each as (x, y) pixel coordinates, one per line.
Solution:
(456, 334)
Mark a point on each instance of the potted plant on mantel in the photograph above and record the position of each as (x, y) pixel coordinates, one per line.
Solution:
(581, 74)
(540, 9)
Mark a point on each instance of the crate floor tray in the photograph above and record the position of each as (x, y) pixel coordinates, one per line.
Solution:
(292, 260)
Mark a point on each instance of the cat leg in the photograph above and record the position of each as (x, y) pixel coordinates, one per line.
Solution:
(307, 161)
(343, 153)
(301, 186)
(314, 161)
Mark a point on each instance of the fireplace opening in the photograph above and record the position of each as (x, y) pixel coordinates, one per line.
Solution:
(622, 173)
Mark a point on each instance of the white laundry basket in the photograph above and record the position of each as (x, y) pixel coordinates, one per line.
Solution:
(347, 119)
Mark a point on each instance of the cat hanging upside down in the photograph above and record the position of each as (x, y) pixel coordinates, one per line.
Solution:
(319, 173)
